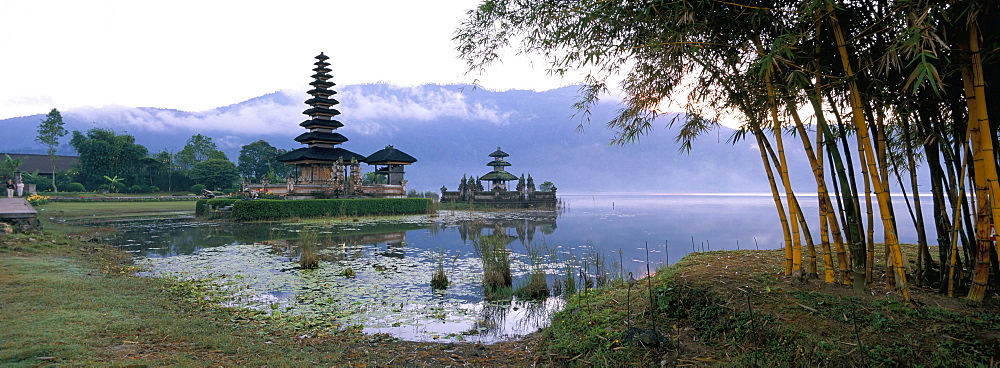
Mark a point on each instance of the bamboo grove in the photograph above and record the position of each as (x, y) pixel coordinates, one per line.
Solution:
(871, 90)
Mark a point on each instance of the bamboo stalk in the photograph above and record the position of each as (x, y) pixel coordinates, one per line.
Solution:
(864, 144)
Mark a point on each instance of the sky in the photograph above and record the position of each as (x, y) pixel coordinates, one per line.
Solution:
(199, 55)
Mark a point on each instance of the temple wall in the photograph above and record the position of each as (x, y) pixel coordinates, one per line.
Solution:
(504, 199)
(306, 190)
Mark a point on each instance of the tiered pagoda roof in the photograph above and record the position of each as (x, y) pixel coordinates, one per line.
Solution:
(322, 138)
(499, 174)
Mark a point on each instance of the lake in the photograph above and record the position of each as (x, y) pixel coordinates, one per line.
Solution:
(590, 237)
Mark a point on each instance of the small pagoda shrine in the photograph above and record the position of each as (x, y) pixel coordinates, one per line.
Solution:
(499, 176)
(389, 163)
(471, 189)
(322, 168)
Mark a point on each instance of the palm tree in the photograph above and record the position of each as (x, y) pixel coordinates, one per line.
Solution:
(10, 166)
(113, 182)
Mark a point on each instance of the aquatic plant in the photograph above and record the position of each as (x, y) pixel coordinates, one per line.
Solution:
(307, 245)
(537, 287)
(492, 250)
(348, 272)
(439, 281)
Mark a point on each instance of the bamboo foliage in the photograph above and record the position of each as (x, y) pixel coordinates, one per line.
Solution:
(864, 70)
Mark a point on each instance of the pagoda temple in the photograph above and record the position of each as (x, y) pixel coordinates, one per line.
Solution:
(471, 189)
(323, 168)
(499, 176)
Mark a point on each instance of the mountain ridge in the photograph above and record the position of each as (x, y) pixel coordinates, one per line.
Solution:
(450, 129)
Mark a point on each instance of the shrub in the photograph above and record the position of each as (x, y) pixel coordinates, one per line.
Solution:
(135, 189)
(36, 200)
(75, 187)
(152, 189)
(197, 188)
(103, 187)
(267, 209)
(204, 206)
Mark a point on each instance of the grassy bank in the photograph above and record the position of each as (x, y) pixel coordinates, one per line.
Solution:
(736, 308)
(66, 300)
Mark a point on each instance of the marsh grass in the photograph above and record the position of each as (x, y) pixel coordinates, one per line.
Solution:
(492, 250)
(308, 239)
(439, 281)
(537, 287)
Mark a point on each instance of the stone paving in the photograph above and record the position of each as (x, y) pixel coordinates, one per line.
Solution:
(17, 207)
(17, 212)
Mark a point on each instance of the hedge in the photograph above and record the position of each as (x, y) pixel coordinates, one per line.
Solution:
(204, 206)
(265, 209)
(124, 199)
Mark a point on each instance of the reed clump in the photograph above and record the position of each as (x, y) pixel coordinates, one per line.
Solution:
(492, 250)
(439, 281)
(308, 259)
(537, 287)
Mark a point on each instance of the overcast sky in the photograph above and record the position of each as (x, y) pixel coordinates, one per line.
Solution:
(198, 55)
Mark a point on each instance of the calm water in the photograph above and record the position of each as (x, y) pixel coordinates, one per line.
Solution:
(394, 259)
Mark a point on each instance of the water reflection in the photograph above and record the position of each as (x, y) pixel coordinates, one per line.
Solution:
(390, 263)
(593, 240)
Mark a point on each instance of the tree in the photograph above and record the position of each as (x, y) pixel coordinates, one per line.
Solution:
(215, 173)
(546, 186)
(49, 132)
(151, 166)
(197, 149)
(770, 60)
(372, 177)
(114, 182)
(258, 159)
(10, 166)
(105, 153)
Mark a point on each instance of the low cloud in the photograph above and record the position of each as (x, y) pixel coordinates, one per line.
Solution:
(261, 116)
(423, 103)
(367, 110)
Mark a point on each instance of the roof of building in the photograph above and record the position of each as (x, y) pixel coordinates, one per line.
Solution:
(332, 124)
(322, 84)
(390, 155)
(322, 56)
(321, 76)
(499, 153)
(498, 176)
(321, 111)
(42, 163)
(321, 101)
(321, 137)
(321, 92)
(319, 154)
(498, 163)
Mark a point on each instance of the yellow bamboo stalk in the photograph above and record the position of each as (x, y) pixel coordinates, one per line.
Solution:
(985, 177)
(857, 117)
(843, 262)
(883, 173)
(816, 161)
(793, 209)
(957, 210)
(782, 218)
